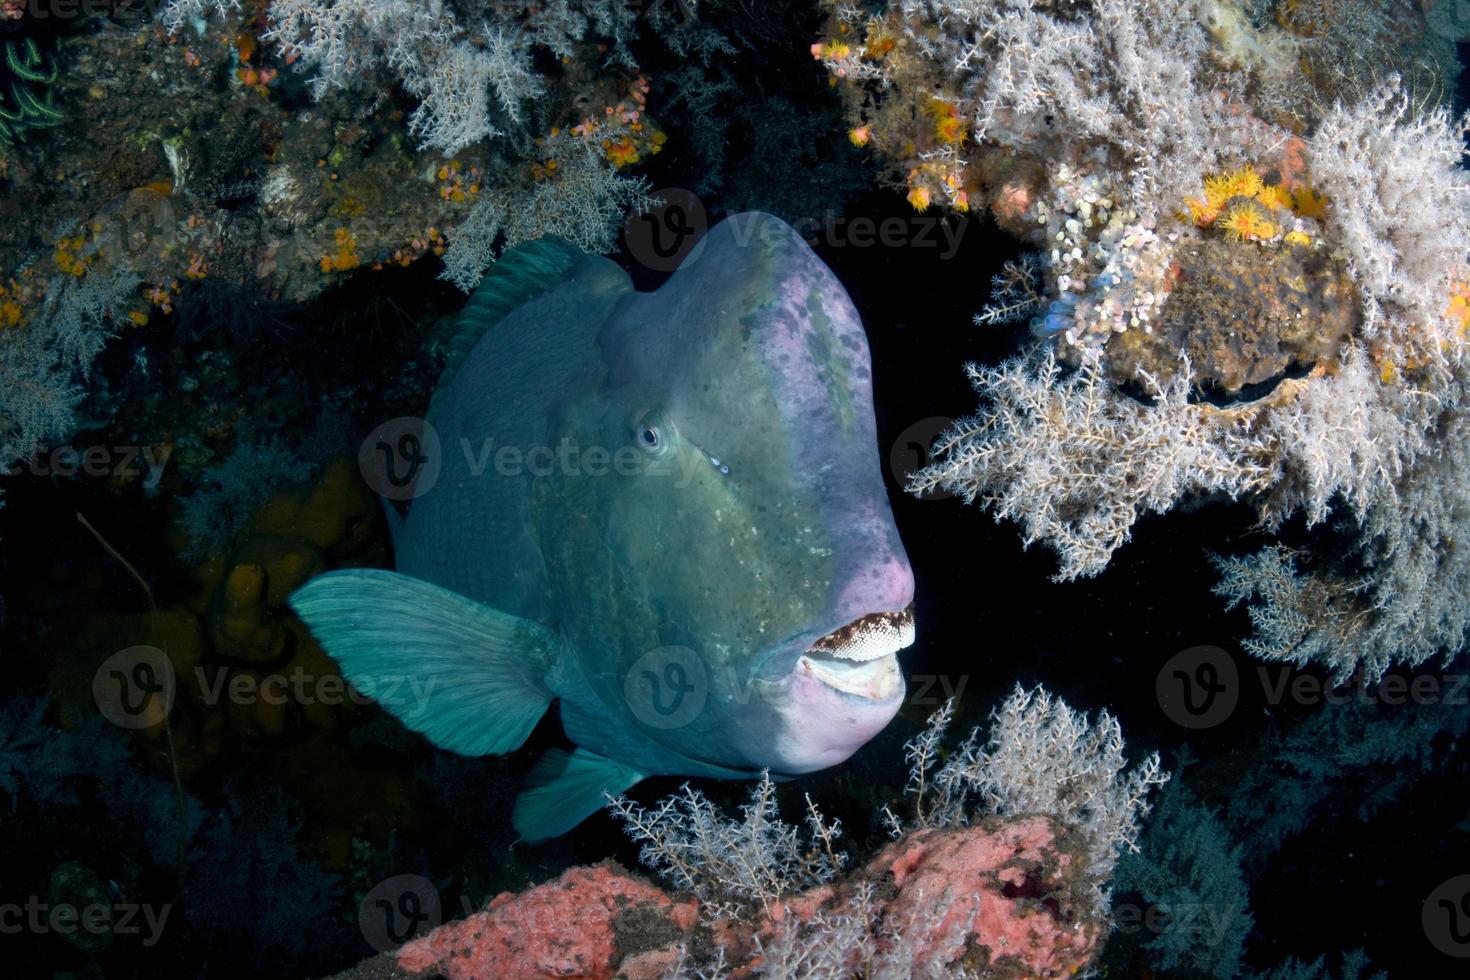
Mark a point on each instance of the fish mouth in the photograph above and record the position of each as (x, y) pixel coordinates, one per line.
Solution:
(860, 657)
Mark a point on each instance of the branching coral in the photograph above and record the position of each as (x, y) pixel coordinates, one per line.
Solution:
(473, 79)
(1042, 757)
(735, 867)
(1042, 762)
(1076, 464)
(1188, 863)
(453, 77)
(1398, 595)
(1191, 245)
(1100, 80)
(42, 361)
(1401, 214)
(581, 198)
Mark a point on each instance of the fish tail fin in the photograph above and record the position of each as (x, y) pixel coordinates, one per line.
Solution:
(468, 677)
(565, 788)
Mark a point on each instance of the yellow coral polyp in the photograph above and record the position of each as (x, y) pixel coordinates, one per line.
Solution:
(1302, 19)
(621, 153)
(919, 198)
(878, 48)
(1221, 188)
(68, 257)
(1300, 238)
(1275, 196)
(1310, 203)
(878, 42)
(11, 312)
(1459, 308)
(948, 126)
(860, 135)
(831, 51)
(345, 258)
(1245, 182)
(1245, 222)
(1202, 213)
(1217, 191)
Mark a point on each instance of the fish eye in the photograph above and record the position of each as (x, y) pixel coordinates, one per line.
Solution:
(651, 434)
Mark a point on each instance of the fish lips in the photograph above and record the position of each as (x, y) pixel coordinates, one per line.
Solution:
(836, 694)
(857, 659)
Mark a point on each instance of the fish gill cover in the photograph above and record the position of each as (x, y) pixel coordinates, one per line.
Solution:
(452, 443)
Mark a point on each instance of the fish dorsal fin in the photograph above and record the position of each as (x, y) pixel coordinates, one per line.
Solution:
(564, 788)
(517, 277)
(466, 676)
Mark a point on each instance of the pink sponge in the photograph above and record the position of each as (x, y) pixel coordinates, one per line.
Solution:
(583, 924)
(1005, 896)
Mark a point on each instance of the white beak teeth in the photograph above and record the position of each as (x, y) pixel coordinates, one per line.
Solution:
(859, 658)
(870, 637)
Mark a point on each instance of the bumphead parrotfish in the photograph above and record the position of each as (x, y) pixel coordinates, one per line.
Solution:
(663, 509)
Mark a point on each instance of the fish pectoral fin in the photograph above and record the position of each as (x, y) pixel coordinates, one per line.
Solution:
(565, 788)
(466, 676)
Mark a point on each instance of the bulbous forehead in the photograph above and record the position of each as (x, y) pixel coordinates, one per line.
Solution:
(753, 337)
